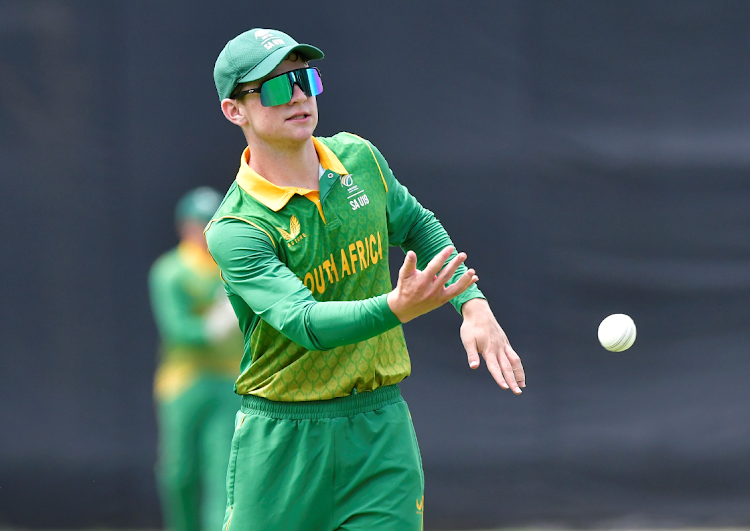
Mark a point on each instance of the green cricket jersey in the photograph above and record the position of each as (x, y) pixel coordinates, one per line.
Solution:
(184, 284)
(307, 273)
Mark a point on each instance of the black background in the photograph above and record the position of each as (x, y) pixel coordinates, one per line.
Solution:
(592, 157)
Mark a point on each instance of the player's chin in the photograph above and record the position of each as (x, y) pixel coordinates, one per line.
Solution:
(301, 129)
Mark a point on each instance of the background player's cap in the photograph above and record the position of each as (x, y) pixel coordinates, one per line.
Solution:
(198, 205)
(253, 55)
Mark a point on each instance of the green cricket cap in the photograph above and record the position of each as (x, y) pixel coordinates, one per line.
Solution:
(255, 54)
(198, 205)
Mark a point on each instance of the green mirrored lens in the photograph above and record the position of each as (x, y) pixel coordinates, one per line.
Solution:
(314, 83)
(276, 91)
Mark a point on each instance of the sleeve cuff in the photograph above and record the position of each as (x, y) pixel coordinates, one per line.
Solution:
(471, 293)
(389, 318)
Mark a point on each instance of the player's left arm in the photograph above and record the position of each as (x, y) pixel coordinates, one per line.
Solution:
(415, 228)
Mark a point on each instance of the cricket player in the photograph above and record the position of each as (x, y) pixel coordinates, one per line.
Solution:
(323, 440)
(201, 347)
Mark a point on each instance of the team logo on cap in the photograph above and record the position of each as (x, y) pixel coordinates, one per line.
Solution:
(267, 39)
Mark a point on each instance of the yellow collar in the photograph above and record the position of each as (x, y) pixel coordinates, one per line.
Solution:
(197, 258)
(275, 197)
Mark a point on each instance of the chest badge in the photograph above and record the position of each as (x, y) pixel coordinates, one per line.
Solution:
(294, 234)
(357, 196)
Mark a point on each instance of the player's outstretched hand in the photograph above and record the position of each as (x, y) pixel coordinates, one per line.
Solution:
(419, 292)
(481, 334)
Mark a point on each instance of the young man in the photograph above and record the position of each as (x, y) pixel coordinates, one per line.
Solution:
(323, 440)
(201, 346)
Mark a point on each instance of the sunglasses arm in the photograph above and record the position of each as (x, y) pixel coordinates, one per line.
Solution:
(244, 92)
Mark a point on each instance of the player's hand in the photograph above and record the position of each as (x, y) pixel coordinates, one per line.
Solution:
(419, 292)
(481, 334)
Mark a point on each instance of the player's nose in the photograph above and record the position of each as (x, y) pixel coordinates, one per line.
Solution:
(298, 95)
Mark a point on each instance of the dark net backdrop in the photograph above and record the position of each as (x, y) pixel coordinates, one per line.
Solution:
(591, 157)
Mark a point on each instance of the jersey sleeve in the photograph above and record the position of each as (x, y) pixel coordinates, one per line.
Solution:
(176, 321)
(252, 270)
(414, 228)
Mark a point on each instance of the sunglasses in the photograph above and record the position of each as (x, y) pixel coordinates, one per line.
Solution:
(278, 89)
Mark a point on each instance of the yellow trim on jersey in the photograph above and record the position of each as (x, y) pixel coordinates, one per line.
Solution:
(276, 197)
(231, 512)
(314, 196)
(240, 219)
(374, 157)
(328, 160)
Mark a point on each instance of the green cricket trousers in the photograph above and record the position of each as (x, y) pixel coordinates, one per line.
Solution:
(347, 464)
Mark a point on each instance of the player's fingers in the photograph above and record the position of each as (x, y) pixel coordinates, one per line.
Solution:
(509, 375)
(458, 287)
(409, 266)
(516, 365)
(497, 373)
(438, 261)
(471, 352)
(450, 268)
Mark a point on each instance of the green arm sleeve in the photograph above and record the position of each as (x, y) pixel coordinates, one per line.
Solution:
(252, 270)
(414, 228)
(176, 322)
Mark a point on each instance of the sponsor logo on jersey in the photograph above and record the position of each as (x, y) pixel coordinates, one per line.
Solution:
(420, 505)
(295, 234)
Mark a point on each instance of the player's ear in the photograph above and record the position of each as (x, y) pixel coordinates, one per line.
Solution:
(233, 111)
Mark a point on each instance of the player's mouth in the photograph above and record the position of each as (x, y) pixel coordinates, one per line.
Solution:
(300, 117)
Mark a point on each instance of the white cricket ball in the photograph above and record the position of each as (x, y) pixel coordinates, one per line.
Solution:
(617, 332)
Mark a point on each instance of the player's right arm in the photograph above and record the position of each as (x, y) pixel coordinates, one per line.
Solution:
(253, 271)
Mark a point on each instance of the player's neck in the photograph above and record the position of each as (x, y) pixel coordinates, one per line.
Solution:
(295, 165)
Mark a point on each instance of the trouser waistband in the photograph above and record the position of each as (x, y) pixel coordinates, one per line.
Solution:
(345, 406)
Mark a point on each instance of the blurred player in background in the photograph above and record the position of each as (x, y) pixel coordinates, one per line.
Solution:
(201, 346)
